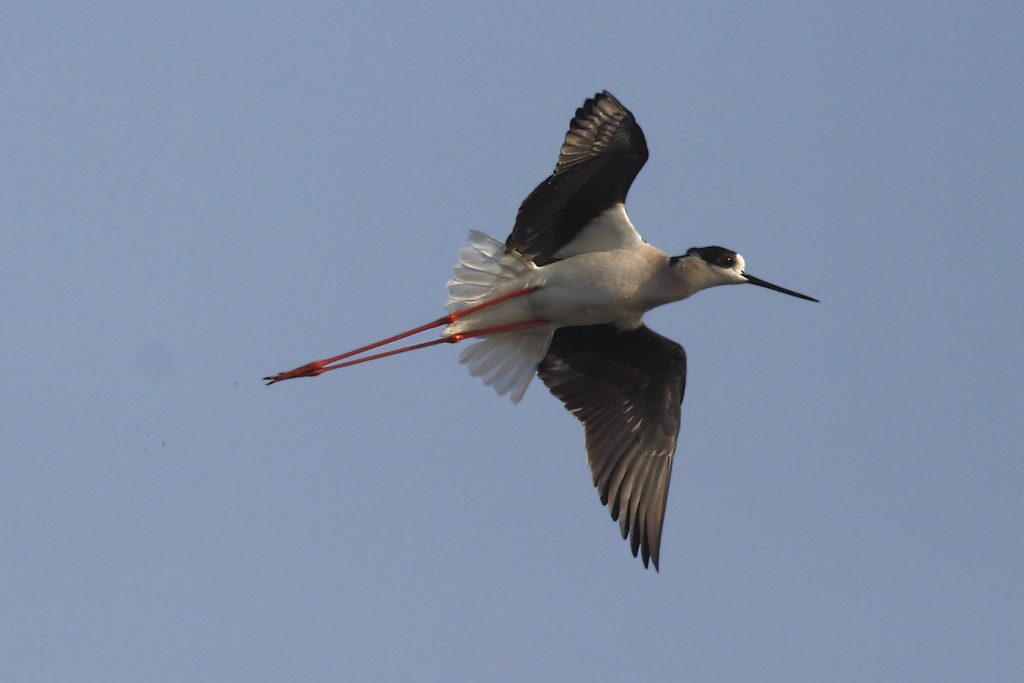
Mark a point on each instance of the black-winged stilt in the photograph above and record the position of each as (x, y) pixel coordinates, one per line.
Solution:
(564, 298)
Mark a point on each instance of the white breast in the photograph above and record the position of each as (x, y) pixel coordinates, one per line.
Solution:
(598, 287)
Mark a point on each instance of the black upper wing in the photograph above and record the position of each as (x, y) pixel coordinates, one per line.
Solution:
(626, 388)
(602, 153)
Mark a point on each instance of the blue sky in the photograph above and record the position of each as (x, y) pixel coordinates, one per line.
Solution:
(194, 196)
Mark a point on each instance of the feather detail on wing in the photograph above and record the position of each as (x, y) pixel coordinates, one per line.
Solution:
(626, 388)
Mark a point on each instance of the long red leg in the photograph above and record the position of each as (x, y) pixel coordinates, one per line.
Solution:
(320, 366)
(450, 339)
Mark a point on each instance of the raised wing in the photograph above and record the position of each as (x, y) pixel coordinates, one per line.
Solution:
(602, 153)
(626, 388)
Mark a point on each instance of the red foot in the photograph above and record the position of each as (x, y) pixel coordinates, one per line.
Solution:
(308, 370)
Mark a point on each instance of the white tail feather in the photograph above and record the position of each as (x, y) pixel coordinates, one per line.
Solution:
(507, 361)
(483, 266)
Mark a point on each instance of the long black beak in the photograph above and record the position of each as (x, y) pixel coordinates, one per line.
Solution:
(761, 283)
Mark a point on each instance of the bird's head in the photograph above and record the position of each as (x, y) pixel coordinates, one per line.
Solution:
(704, 267)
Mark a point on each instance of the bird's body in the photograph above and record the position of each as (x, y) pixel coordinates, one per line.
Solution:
(587, 289)
(564, 296)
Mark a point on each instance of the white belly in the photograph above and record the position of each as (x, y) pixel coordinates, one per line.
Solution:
(589, 289)
(595, 288)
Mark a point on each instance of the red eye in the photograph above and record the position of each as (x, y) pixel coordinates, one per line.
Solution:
(725, 261)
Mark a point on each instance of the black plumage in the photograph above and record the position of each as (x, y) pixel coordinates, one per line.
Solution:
(626, 388)
(602, 154)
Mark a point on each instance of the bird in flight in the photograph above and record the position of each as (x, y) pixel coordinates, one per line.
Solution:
(563, 298)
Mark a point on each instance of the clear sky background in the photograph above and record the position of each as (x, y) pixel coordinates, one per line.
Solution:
(196, 195)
